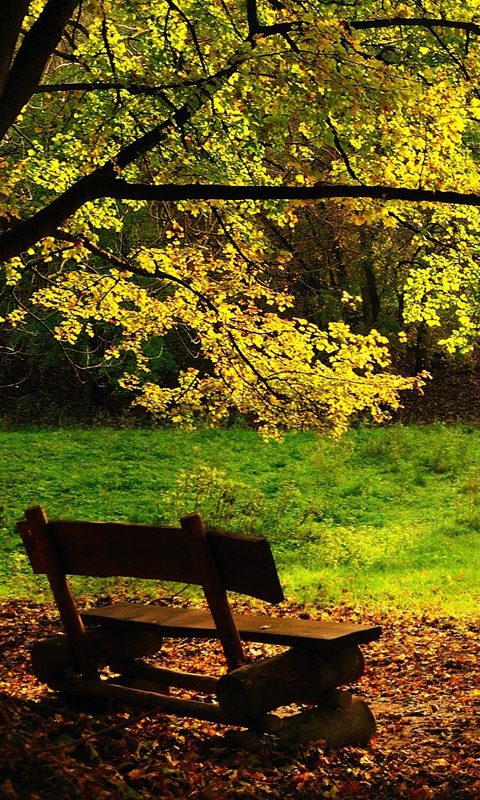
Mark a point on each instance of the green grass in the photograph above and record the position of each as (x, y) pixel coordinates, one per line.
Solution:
(382, 517)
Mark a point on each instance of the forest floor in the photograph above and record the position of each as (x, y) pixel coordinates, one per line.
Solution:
(422, 681)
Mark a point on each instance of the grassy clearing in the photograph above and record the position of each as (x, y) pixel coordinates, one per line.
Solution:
(383, 517)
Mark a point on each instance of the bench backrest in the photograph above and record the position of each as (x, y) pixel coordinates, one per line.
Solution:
(190, 554)
(105, 549)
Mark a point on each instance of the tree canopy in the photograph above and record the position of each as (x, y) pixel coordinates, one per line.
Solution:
(157, 158)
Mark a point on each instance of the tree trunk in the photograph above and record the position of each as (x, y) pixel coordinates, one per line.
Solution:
(370, 298)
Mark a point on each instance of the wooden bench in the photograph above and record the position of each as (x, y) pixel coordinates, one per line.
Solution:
(323, 656)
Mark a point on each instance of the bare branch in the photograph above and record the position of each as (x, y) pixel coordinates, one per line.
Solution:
(110, 56)
(106, 255)
(193, 33)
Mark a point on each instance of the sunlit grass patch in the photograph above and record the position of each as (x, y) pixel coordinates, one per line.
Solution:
(382, 516)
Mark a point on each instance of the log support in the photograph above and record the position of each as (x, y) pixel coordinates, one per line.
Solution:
(54, 658)
(167, 677)
(107, 691)
(297, 676)
(246, 695)
(336, 698)
(340, 727)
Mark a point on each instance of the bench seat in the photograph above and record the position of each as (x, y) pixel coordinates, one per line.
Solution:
(324, 637)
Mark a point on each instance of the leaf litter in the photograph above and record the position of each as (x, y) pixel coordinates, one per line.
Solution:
(422, 681)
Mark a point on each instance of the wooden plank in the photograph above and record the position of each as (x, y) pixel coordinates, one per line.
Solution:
(107, 549)
(38, 531)
(246, 565)
(216, 596)
(38, 562)
(325, 637)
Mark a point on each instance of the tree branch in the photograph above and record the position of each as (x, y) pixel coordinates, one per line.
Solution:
(125, 265)
(256, 29)
(31, 59)
(121, 189)
(46, 221)
(342, 151)
(104, 181)
(13, 13)
(424, 22)
(99, 184)
(193, 33)
(101, 86)
(106, 255)
(109, 52)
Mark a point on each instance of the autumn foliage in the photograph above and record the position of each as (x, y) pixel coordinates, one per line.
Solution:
(157, 157)
(422, 682)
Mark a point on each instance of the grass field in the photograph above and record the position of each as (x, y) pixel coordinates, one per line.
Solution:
(383, 517)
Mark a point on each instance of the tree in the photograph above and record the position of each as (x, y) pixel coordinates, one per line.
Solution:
(149, 148)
